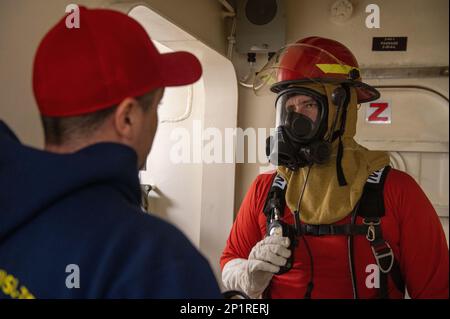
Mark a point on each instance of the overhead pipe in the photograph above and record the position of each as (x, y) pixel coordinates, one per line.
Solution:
(230, 13)
(227, 6)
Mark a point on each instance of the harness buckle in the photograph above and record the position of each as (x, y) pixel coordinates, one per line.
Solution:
(383, 251)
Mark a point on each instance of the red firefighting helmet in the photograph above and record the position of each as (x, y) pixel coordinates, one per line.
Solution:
(314, 59)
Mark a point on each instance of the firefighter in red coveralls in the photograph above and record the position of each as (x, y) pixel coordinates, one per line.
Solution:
(334, 220)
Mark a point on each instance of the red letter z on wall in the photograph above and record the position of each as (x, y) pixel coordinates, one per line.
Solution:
(375, 116)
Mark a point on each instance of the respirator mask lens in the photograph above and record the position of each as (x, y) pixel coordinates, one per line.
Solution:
(300, 113)
(297, 141)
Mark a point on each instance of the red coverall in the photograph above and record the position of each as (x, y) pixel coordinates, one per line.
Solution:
(410, 225)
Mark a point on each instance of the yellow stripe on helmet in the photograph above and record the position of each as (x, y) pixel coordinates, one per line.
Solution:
(335, 68)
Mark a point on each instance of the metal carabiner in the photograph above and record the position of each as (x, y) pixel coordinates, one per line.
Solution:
(370, 236)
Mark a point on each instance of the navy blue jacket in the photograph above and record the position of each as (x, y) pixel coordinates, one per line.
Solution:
(75, 219)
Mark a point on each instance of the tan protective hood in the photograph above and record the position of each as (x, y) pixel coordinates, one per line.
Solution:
(324, 200)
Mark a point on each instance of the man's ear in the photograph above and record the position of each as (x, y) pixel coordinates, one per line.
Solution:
(125, 117)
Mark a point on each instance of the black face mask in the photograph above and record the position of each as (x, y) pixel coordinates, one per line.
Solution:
(283, 151)
(297, 142)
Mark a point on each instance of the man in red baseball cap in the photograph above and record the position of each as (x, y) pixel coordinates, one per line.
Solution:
(80, 233)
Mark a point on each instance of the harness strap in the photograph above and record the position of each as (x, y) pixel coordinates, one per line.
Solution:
(397, 278)
(384, 256)
(381, 249)
(325, 230)
(372, 209)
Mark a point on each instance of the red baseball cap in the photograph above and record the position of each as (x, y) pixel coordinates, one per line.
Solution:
(108, 58)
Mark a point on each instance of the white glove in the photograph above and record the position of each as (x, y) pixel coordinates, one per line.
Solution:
(253, 275)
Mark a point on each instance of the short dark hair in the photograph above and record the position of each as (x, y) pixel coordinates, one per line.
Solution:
(58, 130)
